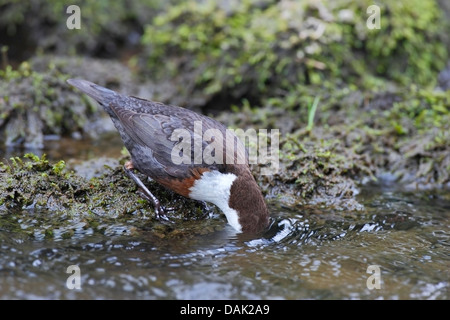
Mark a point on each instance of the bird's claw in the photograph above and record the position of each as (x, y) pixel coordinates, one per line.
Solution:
(159, 211)
(145, 193)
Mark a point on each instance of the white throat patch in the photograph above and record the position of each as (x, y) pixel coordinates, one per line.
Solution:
(215, 187)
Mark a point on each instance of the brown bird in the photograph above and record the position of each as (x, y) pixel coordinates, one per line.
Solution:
(157, 136)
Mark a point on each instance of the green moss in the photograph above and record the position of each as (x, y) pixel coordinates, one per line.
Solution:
(222, 46)
(257, 49)
(59, 167)
(35, 104)
(105, 26)
(60, 193)
(357, 135)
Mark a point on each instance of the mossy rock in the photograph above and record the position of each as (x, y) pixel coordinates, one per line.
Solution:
(106, 28)
(102, 204)
(256, 49)
(34, 104)
(36, 101)
(357, 136)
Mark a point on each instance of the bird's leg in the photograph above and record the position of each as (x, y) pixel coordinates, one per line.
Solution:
(145, 193)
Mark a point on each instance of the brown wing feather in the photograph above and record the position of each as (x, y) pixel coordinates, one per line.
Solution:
(152, 128)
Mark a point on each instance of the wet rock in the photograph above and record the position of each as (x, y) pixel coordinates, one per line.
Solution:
(35, 185)
(36, 101)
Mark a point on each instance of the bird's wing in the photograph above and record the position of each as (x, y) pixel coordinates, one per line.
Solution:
(156, 132)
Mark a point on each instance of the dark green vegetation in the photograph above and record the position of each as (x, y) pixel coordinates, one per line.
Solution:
(264, 48)
(35, 99)
(352, 103)
(107, 27)
(35, 104)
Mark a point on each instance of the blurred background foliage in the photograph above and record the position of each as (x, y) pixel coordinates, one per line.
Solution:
(242, 48)
(264, 46)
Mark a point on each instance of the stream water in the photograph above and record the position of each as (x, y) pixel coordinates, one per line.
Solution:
(396, 248)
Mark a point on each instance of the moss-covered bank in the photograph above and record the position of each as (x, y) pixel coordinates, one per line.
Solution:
(35, 104)
(36, 101)
(402, 135)
(256, 49)
(34, 184)
(353, 135)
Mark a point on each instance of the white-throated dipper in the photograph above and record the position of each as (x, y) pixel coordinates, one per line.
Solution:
(147, 130)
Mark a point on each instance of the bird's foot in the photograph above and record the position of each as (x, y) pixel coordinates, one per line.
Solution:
(159, 210)
(144, 192)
